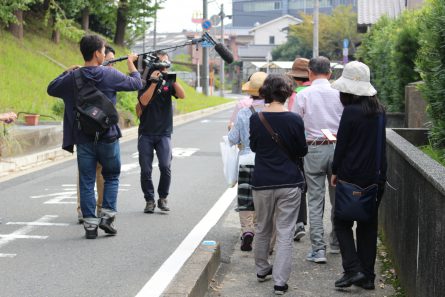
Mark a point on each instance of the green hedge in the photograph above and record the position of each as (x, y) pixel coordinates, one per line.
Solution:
(431, 64)
(390, 49)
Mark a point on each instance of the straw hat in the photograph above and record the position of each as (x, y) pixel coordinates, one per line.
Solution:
(355, 80)
(254, 84)
(299, 68)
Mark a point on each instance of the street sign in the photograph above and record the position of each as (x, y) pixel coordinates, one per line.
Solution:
(206, 24)
(206, 44)
(215, 19)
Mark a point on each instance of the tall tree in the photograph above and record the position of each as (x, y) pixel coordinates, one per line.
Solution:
(341, 24)
(121, 22)
(11, 15)
(136, 13)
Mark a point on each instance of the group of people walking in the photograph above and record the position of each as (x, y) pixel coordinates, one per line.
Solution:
(326, 136)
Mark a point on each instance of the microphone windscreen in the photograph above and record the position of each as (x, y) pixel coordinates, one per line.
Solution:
(224, 53)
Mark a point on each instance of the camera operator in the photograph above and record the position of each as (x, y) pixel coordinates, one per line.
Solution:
(155, 129)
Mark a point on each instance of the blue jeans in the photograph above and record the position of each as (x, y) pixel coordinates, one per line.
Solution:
(108, 155)
(162, 145)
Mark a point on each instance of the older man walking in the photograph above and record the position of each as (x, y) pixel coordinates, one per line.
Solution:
(320, 107)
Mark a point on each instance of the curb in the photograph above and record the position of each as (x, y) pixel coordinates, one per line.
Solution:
(195, 276)
(11, 166)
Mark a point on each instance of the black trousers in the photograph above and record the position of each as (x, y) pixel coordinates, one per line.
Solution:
(302, 213)
(358, 256)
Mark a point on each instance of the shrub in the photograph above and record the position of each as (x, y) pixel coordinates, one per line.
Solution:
(390, 49)
(431, 63)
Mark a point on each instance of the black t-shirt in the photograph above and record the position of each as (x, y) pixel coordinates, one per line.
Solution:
(157, 117)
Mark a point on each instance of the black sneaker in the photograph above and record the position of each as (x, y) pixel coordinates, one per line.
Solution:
(349, 278)
(106, 224)
(367, 284)
(246, 241)
(90, 230)
(299, 233)
(280, 290)
(150, 207)
(265, 277)
(162, 204)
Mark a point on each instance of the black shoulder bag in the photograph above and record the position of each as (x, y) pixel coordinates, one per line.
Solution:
(95, 113)
(353, 203)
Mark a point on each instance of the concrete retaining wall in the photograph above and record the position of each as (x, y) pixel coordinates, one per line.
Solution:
(412, 218)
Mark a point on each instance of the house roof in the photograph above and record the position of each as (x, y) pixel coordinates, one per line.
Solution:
(293, 19)
(368, 12)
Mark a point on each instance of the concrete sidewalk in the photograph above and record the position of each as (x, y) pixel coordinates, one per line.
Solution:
(238, 278)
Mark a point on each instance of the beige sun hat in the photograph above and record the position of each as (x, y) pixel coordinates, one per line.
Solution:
(254, 84)
(355, 80)
(300, 68)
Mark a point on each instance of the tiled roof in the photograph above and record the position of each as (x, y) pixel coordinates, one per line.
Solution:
(369, 11)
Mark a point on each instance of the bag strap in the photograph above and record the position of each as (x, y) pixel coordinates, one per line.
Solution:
(275, 137)
(252, 109)
(379, 145)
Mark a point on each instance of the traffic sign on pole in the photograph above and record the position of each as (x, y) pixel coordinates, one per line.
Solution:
(206, 24)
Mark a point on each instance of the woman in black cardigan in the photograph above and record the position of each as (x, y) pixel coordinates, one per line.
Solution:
(355, 162)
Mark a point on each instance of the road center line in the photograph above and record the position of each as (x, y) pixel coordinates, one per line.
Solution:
(165, 274)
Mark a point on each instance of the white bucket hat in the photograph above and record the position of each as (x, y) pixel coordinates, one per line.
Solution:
(355, 80)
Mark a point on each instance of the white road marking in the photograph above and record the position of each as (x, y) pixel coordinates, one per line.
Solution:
(7, 255)
(18, 236)
(177, 152)
(22, 233)
(128, 167)
(37, 224)
(164, 275)
(183, 152)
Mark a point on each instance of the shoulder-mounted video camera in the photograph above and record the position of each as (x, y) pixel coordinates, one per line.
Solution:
(147, 63)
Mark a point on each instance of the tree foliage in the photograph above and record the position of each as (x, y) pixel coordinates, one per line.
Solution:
(8, 7)
(431, 63)
(123, 20)
(341, 24)
(390, 49)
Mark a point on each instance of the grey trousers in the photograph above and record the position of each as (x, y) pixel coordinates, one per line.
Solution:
(284, 204)
(318, 167)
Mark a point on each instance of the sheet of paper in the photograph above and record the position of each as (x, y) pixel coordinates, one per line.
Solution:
(328, 134)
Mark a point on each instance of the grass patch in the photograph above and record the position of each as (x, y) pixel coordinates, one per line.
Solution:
(28, 66)
(389, 275)
(435, 154)
(196, 101)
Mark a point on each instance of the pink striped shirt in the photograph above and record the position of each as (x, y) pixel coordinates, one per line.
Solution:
(320, 107)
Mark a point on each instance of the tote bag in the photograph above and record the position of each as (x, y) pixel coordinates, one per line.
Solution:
(229, 154)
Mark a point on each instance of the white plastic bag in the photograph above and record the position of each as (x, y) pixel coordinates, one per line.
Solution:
(229, 155)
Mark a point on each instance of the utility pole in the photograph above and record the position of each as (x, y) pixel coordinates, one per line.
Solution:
(315, 17)
(154, 28)
(205, 56)
(221, 71)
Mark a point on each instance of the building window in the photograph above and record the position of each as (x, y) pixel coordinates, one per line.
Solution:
(277, 5)
(271, 39)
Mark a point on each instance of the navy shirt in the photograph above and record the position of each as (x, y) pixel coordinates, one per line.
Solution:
(157, 116)
(355, 151)
(108, 80)
(273, 168)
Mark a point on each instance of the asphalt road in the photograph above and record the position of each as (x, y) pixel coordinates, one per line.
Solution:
(50, 257)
